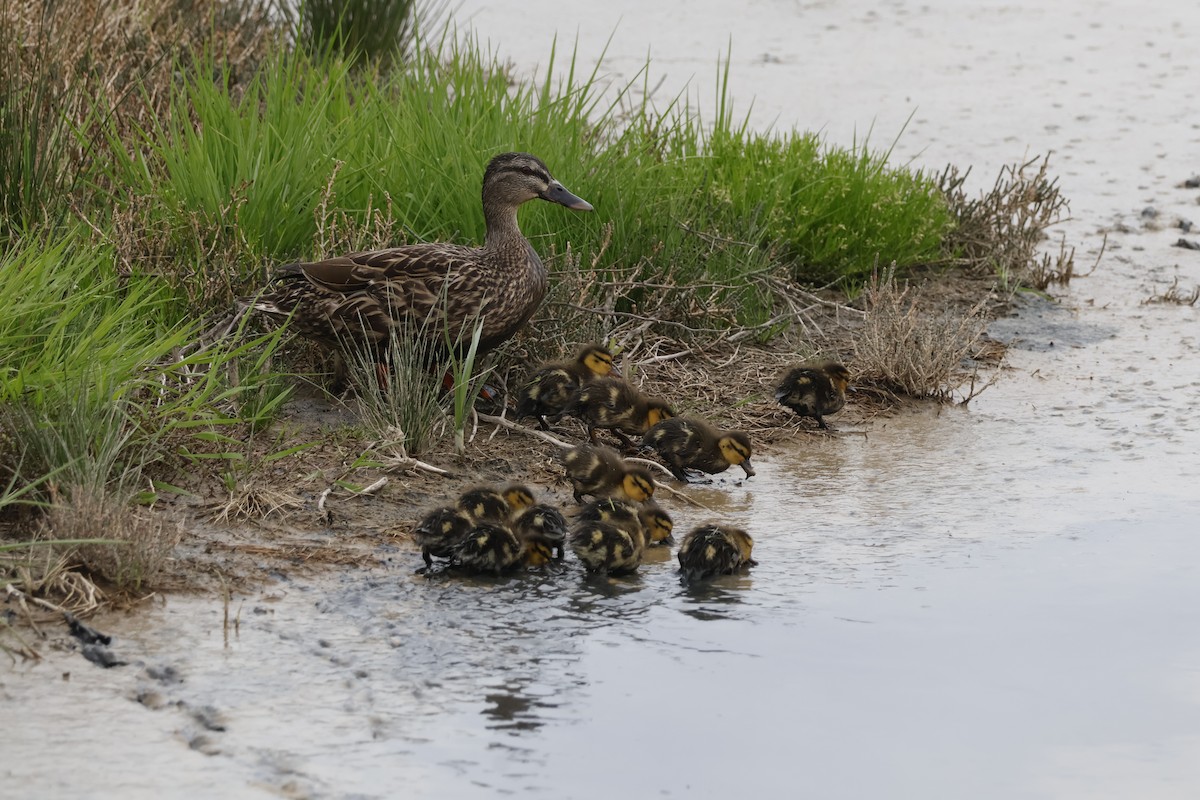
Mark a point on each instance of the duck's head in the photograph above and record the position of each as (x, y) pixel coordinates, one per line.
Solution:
(638, 485)
(735, 448)
(657, 524)
(743, 542)
(656, 411)
(597, 360)
(839, 376)
(518, 496)
(514, 178)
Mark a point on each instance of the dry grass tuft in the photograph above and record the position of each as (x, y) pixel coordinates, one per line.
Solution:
(1004, 228)
(135, 544)
(1174, 295)
(908, 348)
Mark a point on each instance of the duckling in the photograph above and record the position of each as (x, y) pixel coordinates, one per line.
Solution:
(612, 404)
(518, 496)
(439, 531)
(484, 504)
(600, 471)
(488, 547)
(609, 509)
(614, 545)
(657, 524)
(714, 550)
(551, 386)
(543, 529)
(688, 443)
(813, 390)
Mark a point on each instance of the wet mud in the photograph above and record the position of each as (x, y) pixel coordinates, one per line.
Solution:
(990, 601)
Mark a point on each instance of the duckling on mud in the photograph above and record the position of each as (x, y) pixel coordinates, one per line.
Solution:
(484, 504)
(552, 385)
(488, 547)
(714, 550)
(612, 404)
(601, 472)
(439, 531)
(610, 546)
(688, 443)
(543, 530)
(814, 390)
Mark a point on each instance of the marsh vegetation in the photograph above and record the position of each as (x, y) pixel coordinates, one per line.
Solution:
(156, 163)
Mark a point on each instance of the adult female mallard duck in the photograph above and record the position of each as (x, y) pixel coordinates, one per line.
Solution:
(440, 531)
(614, 405)
(814, 390)
(687, 443)
(601, 472)
(433, 287)
(551, 386)
(714, 550)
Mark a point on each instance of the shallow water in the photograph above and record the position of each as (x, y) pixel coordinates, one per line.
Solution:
(994, 601)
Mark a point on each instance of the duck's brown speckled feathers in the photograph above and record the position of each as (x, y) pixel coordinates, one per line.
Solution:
(368, 296)
(551, 386)
(439, 531)
(714, 550)
(612, 404)
(543, 529)
(488, 547)
(814, 390)
(612, 546)
(601, 472)
(689, 443)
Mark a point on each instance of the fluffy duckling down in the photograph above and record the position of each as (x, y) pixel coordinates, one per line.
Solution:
(601, 472)
(489, 547)
(714, 550)
(688, 443)
(550, 387)
(543, 530)
(439, 531)
(612, 404)
(814, 390)
(608, 537)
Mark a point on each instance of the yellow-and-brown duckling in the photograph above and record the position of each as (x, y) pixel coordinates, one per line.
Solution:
(814, 390)
(688, 443)
(714, 550)
(439, 531)
(543, 530)
(612, 404)
(657, 524)
(488, 547)
(548, 390)
(485, 504)
(601, 472)
(429, 288)
(613, 544)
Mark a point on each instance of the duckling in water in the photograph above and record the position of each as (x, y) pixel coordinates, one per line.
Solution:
(485, 504)
(612, 545)
(813, 390)
(600, 471)
(657, 524)
(714, 550)
(543, 529)
(519, 497)
(439, 531)
(488, 547)
(551, 386)
(612, 404)
(687, 443)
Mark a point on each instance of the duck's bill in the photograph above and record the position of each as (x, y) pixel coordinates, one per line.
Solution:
(557, 193)
(745, 465)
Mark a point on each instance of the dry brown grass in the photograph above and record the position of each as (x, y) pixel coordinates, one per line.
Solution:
(1003, 229)
(907, 346)
(1173, 295)
(135, 544)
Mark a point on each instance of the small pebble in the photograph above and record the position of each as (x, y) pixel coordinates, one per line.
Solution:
(1149, 212)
